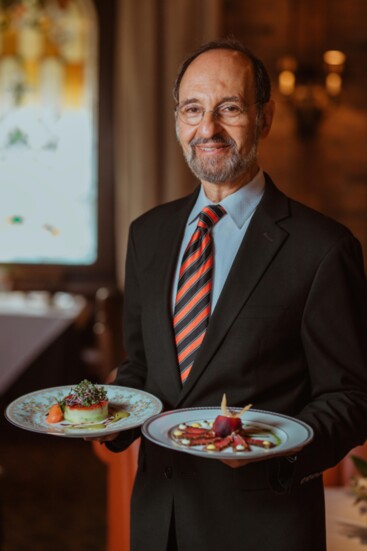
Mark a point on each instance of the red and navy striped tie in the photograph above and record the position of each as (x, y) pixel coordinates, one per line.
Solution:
(192, 307)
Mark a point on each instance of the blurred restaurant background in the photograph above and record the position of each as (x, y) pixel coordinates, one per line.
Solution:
(87, 143)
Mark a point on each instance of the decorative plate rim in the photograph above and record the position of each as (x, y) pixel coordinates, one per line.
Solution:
(165, 441)
(55, 430)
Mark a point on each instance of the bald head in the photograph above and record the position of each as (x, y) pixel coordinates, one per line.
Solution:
(261, 77)
(221, 73)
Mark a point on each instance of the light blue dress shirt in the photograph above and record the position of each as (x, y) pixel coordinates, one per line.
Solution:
(227, 234)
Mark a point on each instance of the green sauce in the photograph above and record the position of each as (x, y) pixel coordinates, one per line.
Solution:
(119, 415)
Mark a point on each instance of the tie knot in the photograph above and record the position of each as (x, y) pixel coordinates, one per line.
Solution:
(210, 216)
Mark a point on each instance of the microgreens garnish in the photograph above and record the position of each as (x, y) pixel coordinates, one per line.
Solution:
(85, 394)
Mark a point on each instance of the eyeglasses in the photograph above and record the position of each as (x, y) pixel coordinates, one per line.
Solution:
(227, 113)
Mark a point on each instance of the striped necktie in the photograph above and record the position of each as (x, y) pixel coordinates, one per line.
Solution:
(192, 307)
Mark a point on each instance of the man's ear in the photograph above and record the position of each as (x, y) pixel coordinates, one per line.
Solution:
(267, 118)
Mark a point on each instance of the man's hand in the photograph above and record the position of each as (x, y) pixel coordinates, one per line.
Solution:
(101, 439)
(235, 463)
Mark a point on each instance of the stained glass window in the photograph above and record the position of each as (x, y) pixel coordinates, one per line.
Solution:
(48, 132)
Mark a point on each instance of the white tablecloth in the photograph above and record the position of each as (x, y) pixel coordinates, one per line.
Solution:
(29, 323)
(346, 527)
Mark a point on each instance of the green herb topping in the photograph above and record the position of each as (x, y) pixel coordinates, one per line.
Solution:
(85, 394)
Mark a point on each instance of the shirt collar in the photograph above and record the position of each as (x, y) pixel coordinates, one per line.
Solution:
(239, 205)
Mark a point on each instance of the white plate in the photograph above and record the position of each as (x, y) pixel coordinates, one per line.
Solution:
(288, 433)
(29, 411)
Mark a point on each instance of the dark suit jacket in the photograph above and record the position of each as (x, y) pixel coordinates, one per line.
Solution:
(288, 335)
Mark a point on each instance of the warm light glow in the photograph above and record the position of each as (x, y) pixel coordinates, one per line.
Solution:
(30, 43)
(74, 84)
(335, 59)
(333, 84)
(287, 82)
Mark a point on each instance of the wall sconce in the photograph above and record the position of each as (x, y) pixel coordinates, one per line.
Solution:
(335, 62)
(310, 90)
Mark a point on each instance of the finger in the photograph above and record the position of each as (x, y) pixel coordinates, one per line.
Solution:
(235, 463)
(101, 439)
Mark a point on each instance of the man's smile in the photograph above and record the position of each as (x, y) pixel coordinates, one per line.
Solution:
(216, 145)
(213, 149)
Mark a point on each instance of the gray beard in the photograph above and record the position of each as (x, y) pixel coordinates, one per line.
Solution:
(220, 171)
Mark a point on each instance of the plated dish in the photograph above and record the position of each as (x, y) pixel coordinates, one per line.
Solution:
(128, 408)
(281, 433)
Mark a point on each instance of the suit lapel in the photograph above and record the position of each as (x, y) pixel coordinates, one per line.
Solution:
(262, 241)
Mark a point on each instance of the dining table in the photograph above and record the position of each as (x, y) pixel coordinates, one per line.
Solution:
(30, 323)
(346, 525)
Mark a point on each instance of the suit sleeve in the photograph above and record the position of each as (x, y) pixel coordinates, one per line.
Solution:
(334, 331)
(132, 372)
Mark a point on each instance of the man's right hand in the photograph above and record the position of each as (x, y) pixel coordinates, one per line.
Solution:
(102, 439)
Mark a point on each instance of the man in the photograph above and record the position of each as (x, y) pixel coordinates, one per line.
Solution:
(287, 327)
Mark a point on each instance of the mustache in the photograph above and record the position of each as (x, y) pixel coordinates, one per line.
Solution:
(223, 140)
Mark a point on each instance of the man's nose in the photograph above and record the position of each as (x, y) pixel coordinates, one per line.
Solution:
(209, 124)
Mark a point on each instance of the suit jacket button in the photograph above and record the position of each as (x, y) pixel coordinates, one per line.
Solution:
(168, 472)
